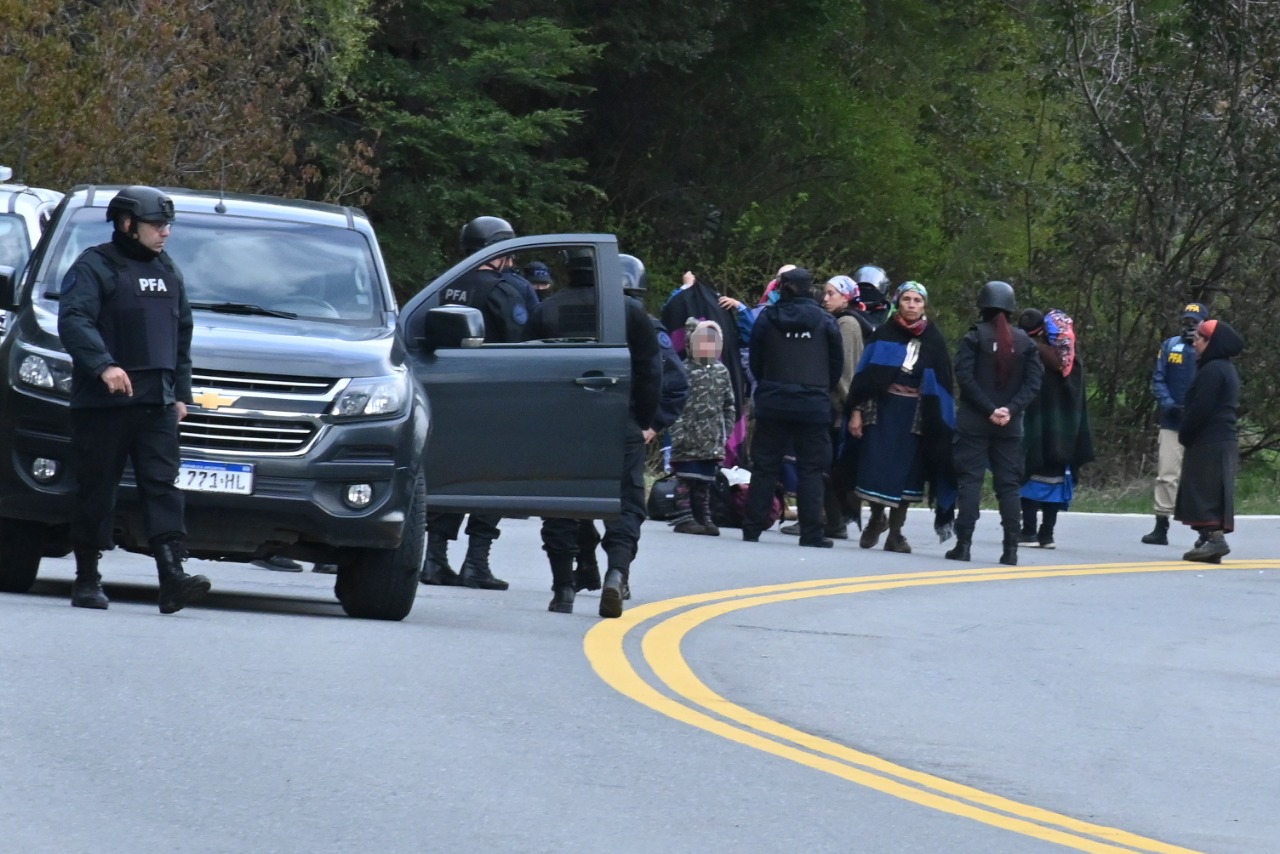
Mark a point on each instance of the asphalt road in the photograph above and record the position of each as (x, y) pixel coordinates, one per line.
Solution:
(1105, 696)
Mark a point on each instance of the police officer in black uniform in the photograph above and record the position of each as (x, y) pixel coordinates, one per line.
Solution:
(873, 292)
(998, 373)
(675, 390)
(505, 299)
(797, 357)
(124, 319)
(571, 313)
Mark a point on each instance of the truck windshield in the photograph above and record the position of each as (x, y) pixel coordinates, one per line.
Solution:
(309, 271)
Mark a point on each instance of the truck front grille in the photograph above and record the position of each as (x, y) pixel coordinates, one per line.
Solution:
(245, 435)
(262, 383)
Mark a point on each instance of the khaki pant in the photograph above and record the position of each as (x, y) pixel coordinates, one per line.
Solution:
(1169, 472)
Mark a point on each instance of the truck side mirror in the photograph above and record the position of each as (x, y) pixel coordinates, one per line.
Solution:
(451, 326)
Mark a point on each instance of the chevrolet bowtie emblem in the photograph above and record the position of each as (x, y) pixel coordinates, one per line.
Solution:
(210, 398)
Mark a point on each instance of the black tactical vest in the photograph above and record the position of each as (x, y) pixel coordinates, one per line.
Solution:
(796, 357)
(497, 299)
(139, 320)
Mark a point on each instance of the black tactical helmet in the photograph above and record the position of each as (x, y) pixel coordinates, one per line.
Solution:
(635, 281)
(870, 274)
(997, 295)
(144, 204)
(484, 231)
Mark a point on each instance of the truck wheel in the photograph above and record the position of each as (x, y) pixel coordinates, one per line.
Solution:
(381, 584)
(21, 546)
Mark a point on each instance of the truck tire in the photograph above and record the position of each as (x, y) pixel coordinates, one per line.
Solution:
(21, 546)
(381, 584)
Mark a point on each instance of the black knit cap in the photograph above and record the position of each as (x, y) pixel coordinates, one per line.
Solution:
(797, 281)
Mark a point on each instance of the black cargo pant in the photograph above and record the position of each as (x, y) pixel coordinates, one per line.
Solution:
(812, 445)
(102, 441)
(481, 526)
(975, 452)
(622, 535)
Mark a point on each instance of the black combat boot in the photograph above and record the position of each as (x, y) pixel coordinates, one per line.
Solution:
(177, 589)
(612, 594)
(475, 567)
(1009, 557)
(86, 590)
(562, 584)
(895, 542)
(1212, 550)
(960, 551)
(435, 568)
(1159, 535)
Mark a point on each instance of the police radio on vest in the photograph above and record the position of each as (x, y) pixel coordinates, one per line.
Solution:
(152, 286)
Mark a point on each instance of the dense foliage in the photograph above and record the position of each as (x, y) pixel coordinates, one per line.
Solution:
(1111, 158)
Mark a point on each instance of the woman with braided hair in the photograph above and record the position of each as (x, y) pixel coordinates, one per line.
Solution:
(900, 413)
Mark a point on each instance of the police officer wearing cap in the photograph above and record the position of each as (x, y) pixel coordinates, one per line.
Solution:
(571, 313)
(1174, 371)
(124, 319)
(539, 277)
(675, 391)
(505, 299)
(797, 357)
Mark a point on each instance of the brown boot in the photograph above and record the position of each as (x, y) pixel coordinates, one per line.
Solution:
(875, 527)
(700, 497)
(895, 542)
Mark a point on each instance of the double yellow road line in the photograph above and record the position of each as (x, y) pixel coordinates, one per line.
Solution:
(687, 699)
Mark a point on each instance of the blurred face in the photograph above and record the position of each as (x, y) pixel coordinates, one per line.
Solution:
(834, 301)
(911, 306)
(153, 235)
(704, 345)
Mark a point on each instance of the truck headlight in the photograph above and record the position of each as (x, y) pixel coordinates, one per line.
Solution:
(373, 397)
(45, 373)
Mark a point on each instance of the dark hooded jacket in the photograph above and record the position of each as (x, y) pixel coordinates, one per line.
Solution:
(797, 358)
(1210, 408)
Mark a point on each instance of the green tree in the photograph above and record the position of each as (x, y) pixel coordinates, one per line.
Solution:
(1180, 188)
(466, 103)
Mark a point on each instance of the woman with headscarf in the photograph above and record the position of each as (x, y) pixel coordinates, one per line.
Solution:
(1207, 489)
(900, 417)
(1056, 437)
(998, 372)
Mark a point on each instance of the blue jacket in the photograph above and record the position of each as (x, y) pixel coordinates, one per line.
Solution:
(675, 382)
(1175, 369)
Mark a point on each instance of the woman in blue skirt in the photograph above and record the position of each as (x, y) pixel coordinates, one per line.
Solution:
(901, 418)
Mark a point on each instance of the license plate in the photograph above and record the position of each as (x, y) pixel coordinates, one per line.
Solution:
(199, 476)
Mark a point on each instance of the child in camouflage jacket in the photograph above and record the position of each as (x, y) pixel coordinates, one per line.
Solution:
(698, 438)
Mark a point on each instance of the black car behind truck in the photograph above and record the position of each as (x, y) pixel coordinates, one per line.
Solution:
(325, 420)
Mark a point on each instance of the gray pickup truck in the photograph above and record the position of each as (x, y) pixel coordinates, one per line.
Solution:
(326, 420)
